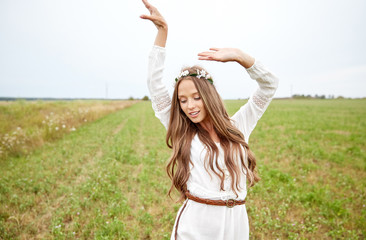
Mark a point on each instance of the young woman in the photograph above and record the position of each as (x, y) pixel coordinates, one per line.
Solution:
(211, 160)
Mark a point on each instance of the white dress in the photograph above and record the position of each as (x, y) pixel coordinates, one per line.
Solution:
(201, 221)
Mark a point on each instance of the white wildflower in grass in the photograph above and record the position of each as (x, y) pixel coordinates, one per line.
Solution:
(19, 128)
(43, 121)
(56, 128)
(85, 120)
(63, 125)
(73, 129)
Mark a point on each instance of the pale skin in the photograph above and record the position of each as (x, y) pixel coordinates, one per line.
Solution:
(188, 97)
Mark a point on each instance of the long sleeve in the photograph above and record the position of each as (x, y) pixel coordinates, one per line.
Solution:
(249, 114)
(160, 98)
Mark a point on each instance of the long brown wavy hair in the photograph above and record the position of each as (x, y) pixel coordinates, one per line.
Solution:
(181, 131)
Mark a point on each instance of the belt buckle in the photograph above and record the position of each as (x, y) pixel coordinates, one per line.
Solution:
(230, 203)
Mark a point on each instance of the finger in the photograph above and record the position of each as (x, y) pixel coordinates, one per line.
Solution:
(215, 49)
(205, 53)
(155, 11)
(145, 17)
(147, 5)
(148, 17)
(150, 7)
(206, 58)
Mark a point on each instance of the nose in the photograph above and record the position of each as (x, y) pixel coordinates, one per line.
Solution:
(190, 104)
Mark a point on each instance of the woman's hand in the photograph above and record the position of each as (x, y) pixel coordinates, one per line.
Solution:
(159, 22)
(228, 55)
(154, 16)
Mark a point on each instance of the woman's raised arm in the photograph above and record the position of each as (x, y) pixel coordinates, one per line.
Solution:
(160, 97)
(159, 23)
(248, 115)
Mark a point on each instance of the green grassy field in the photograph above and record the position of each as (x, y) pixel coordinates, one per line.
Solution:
(107, 180)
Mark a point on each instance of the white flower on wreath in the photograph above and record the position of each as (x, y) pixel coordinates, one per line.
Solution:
(201, 73)
(184, 74)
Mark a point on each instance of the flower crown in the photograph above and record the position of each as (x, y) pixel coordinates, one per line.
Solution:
(199, 74)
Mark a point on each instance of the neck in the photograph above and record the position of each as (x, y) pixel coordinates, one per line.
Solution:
(207, 125)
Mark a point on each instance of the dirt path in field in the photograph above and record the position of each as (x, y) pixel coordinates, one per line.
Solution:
(82, 176)
(90, 163)
(120, 127)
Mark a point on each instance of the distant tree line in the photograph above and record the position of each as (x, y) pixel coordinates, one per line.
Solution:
(316, 96)
(145, 98)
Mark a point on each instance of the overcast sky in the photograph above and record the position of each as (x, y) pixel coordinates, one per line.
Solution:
(98, 49)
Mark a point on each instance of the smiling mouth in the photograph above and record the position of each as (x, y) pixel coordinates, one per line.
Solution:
(194, 114)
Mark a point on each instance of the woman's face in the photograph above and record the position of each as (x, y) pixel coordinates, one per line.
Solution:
(190, 101)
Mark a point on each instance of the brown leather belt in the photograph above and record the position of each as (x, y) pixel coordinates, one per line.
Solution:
(228, 203)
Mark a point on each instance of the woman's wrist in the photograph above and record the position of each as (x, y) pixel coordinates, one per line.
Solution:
(163, 27)
(245, 59)
(161, 37)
